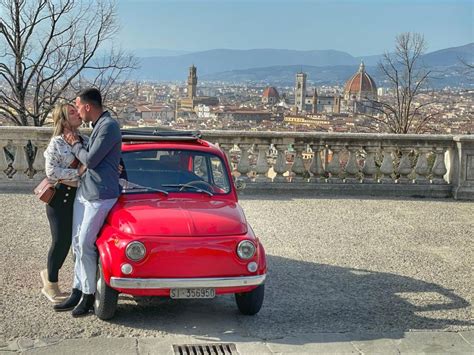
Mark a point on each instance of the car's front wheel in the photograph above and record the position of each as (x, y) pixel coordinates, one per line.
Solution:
(249, 303)
(105, 297)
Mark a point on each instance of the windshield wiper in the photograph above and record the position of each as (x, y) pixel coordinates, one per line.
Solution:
(191, 186)
(127, 185)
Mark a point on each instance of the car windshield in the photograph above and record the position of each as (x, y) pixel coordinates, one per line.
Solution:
(174, 171)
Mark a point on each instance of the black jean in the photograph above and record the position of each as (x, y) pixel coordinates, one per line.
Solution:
(59, 212)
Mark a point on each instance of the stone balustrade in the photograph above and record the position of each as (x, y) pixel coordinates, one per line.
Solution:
(330, 163)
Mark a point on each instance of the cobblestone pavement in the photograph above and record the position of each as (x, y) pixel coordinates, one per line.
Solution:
(355, 267)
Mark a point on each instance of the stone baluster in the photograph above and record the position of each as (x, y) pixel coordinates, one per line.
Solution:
(370, 169)
(352, 167)
(316, 167)
(298, 165)
(280, 164)
(262, 167)
(20, 163)
(38, 164)
(3, 160)
(405, 167)
(386, 169)
(439, 167)
(334, 167)
(244, 164)
(422, 169)
(226, 148)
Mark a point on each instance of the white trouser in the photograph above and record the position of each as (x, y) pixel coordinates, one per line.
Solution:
(88, 218)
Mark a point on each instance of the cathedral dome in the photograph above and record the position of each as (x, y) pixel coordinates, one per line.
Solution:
(270, 92)
(270, 96)
(361, 84)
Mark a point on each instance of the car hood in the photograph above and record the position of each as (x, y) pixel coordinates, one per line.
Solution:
(178, 217)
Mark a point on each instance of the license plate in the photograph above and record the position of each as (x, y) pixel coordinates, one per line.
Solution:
(192, 293)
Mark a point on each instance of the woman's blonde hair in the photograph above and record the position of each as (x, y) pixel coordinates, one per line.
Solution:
(60, 118)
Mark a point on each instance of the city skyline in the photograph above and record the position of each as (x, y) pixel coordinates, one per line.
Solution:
(363, 27)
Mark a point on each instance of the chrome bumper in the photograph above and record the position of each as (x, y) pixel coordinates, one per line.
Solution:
(119, 282)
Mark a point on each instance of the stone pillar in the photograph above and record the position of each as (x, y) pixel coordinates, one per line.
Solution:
(386, 169)
(316, 167)
(422, 169)
(404, 168)
(334, 167)
(298, 165)
(262, 165)
(20, 163)
(370, 169)
(352, 168)
(226, 148)
(3, 160)
(439, 167)
(280, 164)
(38, 164)
(463, 177)
(244, 164)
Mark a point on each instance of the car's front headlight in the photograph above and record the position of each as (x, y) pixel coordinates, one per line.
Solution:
(135, 251)
(246, 249)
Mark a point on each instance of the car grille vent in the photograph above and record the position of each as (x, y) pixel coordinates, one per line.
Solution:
(206, 349)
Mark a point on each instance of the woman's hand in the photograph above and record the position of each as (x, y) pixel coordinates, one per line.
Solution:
(70, 137)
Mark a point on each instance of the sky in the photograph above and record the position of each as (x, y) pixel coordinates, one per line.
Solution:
(359, 27)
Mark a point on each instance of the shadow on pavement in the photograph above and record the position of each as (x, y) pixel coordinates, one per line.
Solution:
(307, 298)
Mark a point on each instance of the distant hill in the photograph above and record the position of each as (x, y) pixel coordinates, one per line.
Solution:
(219, 60)
(450, 56)
(334, 75)
(285, 74)
(279, 65)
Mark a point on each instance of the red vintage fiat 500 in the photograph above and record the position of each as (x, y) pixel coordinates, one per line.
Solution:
(177, 230)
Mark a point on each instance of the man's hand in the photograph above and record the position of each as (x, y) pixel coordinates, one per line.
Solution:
(70, 137)
(120, 169)
(81, 170)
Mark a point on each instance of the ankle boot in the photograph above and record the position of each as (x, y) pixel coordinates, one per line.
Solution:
(51, 289)
(70, 303)
(83, 308)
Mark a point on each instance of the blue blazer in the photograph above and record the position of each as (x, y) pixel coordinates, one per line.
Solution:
(102, 156)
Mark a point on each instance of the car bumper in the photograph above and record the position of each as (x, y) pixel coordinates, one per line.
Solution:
(217, 282)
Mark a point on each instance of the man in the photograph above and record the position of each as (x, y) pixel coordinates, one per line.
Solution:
(97, 193)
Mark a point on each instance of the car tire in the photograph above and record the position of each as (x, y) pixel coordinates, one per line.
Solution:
(249, 303)
(106, 297)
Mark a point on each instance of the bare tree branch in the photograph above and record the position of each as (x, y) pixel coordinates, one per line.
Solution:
(48, 46)
(404, 114)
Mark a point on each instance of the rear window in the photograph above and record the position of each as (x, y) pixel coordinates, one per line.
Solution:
(176, 171)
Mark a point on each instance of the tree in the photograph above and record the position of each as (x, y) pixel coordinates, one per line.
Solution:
(49, 49)
(407, 79)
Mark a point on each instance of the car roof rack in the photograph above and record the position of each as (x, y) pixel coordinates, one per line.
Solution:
(158, 135)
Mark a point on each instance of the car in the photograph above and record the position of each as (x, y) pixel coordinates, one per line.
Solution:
(177, 229)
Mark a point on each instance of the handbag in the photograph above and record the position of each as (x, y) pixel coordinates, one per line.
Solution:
(46, 189)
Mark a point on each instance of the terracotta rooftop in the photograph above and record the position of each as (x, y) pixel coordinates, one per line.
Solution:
(360, 81)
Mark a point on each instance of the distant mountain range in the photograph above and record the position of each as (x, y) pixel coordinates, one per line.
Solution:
(280, 65)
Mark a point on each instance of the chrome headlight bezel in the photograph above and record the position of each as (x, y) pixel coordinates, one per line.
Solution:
(135, 251)
(241, 249)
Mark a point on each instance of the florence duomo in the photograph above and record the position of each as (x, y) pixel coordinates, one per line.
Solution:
(358, 97)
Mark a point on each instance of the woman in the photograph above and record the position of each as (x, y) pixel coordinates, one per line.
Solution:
(63, 169)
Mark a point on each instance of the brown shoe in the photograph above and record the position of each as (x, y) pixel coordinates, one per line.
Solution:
(51, 289)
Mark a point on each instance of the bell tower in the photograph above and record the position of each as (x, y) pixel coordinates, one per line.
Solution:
(192, 82)
(300, 92)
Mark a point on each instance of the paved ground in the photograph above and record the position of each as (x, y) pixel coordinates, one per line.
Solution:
(345, 275)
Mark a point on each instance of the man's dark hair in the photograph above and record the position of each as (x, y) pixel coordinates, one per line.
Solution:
(91, 96)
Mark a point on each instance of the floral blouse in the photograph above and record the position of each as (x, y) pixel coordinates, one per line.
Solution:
(58, 157)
